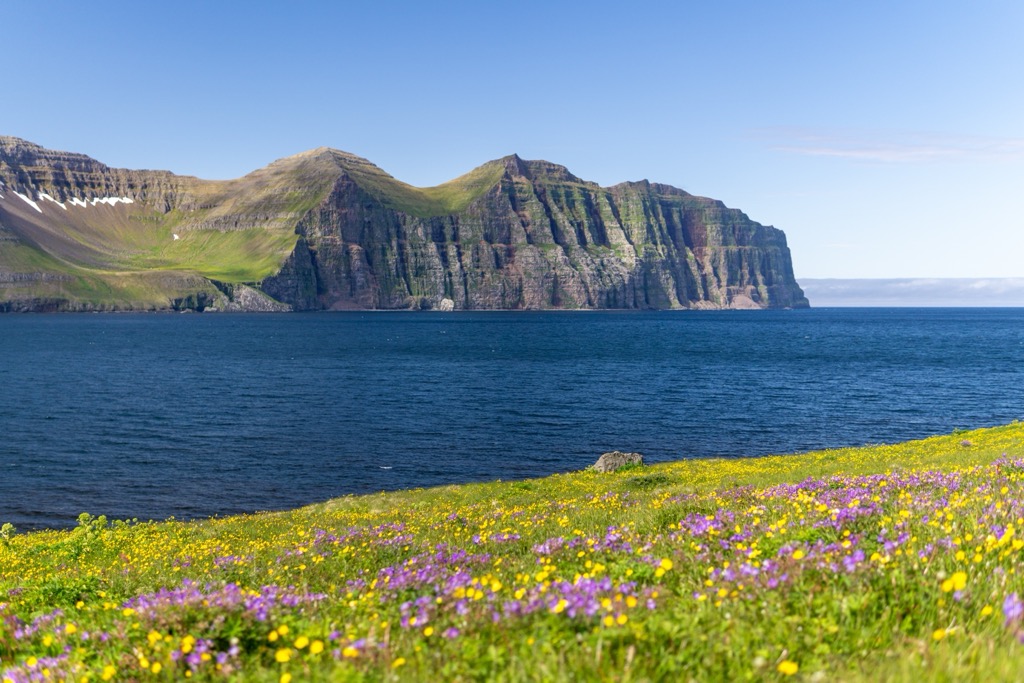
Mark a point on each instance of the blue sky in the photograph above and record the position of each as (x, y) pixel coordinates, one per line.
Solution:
(886, 139)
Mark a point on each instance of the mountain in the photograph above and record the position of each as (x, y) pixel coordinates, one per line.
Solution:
(328, 230)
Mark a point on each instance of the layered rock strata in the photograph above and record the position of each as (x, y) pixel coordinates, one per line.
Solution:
(328, 230)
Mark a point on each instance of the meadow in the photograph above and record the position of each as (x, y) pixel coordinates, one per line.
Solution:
(886, 562)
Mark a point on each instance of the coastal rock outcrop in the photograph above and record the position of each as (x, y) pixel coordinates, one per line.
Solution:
(609, 462)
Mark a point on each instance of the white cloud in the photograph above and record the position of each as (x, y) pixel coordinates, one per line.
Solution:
(892, 146)
(914, 292)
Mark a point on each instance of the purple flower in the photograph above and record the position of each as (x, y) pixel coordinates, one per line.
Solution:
(1013, 608)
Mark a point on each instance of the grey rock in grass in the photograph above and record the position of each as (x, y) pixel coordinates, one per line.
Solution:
(609, 462)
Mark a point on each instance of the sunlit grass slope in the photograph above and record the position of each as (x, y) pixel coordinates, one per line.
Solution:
(442, 200)
(896, 562)
(236, 231)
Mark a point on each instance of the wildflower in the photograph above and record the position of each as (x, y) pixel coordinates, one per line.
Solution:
(787, 667)
(283, 655)
(398, 662)
(1013, 608)
(316, 647)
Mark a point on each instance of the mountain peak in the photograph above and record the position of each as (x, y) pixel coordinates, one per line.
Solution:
(537, 169)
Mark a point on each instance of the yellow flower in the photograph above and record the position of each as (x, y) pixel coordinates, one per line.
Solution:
(70, 629)
(666, 564)
(939, 634)
(350, 652)
(283, 655)
(286, 678)
(986, 610)
(156, 668)
(787, 667)
(108, 672)
(398, 662)
(301, 642)
(797, 555)
(316, 647)
(428, 631)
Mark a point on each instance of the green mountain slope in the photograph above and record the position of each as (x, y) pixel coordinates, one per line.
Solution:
(326, 229)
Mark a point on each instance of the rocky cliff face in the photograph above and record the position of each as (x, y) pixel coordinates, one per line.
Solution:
(326, 230)
(540, 238)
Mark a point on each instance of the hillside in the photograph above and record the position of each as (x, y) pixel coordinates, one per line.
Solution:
(328, 230)
(894, 562)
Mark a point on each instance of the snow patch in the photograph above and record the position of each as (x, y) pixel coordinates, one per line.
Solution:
(111, 201)
(43, 195)
(75, 201)
(176, 236)
(30, 202)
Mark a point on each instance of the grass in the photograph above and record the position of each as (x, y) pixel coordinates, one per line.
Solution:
(442, 200)
(889, 562)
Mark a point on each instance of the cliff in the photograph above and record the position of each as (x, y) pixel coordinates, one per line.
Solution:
(328, 230)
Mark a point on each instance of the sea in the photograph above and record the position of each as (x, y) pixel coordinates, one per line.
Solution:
(151, 416)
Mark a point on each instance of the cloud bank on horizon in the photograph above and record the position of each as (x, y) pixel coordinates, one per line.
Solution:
(923, 292)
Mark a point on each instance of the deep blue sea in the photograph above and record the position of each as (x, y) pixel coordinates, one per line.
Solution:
(151, 416)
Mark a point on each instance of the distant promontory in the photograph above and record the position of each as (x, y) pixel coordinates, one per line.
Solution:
(326, 230)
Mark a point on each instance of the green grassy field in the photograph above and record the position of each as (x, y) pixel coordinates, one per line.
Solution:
(890, 562)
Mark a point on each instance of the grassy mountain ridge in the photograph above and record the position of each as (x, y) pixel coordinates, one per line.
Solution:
(327, 229)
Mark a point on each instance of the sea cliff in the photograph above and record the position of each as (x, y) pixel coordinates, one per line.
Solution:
(328, 230)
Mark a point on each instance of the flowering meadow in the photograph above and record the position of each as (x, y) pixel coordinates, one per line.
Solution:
(889, 562)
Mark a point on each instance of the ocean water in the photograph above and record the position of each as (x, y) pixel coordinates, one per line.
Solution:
(151, 416)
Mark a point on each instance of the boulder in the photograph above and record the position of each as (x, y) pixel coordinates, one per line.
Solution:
(609, 462)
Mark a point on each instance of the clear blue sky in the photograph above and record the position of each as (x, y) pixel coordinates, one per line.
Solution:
(885, 138)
